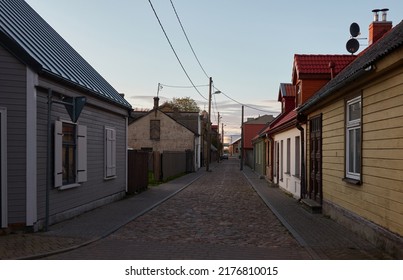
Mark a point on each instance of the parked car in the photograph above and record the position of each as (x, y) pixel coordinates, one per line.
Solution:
(224, 156)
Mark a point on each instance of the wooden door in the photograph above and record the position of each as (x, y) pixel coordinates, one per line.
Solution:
(315, 157)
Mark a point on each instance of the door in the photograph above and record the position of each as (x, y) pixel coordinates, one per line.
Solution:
(315, 160)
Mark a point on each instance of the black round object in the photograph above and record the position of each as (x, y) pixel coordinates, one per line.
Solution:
(354, 29)
(352, 45)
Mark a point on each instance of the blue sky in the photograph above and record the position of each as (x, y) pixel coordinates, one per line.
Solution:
(246, 46)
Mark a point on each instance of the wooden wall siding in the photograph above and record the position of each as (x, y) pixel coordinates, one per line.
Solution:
(96, 187)
(383, 151)
(13, 97)
(380, 197)
(173, 136)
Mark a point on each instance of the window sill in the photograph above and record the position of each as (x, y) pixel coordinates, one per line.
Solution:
(352, 181)
(110, 178)
(70, 186)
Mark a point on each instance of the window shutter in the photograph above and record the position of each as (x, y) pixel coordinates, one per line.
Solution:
(81, 154)
(110, 152)
(58, 176)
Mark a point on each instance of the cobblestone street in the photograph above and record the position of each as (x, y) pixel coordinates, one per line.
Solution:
(219, 216)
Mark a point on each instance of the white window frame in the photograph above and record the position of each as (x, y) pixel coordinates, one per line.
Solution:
(353, 125)
(110, 153)
(81, 156)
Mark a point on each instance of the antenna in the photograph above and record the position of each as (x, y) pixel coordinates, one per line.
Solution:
(354, 29)
(353, 45)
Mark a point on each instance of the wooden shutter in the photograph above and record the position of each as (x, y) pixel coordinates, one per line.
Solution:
(58, 168)
(110, 152)
(81, 154)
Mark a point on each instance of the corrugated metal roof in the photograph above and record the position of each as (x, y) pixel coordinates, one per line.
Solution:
(25, 29)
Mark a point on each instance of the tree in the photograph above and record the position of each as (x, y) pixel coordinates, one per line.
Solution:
(184, 104)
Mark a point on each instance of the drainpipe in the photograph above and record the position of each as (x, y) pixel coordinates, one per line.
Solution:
(303, 183)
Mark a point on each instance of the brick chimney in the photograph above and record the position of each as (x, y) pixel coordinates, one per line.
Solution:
(378, 27)
(156, 101)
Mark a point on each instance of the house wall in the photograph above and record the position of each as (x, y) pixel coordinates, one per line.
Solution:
(96, 191)
(13, 76)
(377, 204)
(310, 86)
(290, 181)
(173, 136)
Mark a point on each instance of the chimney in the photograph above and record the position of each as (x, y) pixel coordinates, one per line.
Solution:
(378, 28)
(156, 100)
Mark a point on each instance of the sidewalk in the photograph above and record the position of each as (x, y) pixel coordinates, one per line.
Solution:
(322, 237)
(91, 226)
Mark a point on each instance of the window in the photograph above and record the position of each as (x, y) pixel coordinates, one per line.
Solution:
(154, 129)
(288, 167)
(110, 152)
(70, 154)
(353, 139)
(275, 159)
(281, 159)
(297, 156)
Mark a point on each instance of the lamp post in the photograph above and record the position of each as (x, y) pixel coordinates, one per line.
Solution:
(209, 124)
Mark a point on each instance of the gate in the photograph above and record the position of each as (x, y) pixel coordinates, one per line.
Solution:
(137, 171)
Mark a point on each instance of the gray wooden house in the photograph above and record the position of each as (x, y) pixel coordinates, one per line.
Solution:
(55, 162)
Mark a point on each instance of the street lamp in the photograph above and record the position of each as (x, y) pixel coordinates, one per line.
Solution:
(209, 124)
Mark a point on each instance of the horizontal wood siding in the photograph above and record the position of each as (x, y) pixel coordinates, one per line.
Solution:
(380, 197)
(13, 97)
(383, 151)
(96, 187)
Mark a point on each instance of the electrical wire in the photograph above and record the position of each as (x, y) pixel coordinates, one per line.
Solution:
(194, 53)
(173, 49)
(190, 45)
(248, 106)
(170, 86)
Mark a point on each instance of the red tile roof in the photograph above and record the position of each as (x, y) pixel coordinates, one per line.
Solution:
(288, 117)
(320, 64)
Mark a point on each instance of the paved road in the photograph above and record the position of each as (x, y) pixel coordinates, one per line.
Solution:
(219, 216)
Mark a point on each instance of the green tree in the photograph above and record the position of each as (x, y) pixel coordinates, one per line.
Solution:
(184, 104)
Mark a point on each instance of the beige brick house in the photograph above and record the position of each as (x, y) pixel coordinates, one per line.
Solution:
(162, 131)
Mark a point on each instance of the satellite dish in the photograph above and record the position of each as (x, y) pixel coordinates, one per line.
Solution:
(352, 45)
(354, 29)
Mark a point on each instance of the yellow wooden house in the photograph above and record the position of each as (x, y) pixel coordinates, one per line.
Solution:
(355, 141)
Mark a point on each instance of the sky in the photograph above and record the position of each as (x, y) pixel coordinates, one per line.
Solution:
(246, 46)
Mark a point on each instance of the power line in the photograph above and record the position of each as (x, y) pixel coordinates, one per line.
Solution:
(194, 53)
(190, 45)
(174, 86)
(173, 49)
(248, 106)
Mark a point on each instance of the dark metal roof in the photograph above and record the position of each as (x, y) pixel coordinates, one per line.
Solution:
(385, 45)
(28, 36)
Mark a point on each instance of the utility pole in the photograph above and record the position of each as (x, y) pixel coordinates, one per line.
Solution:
(222, 137)
(218, 138)
(242, 138)
(209, 126)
